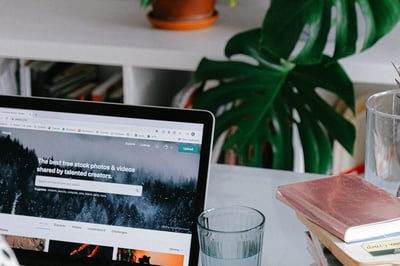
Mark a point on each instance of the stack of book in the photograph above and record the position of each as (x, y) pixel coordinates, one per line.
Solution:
(349, 220)
(72, 81)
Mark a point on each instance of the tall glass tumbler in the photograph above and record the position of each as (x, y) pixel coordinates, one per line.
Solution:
(382, 140)
(231, 236)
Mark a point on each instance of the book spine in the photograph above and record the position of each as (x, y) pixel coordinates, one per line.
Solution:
(98, 94)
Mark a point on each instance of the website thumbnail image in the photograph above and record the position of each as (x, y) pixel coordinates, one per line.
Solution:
(92, 253)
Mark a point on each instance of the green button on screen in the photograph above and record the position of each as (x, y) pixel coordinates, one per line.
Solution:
(188, 148)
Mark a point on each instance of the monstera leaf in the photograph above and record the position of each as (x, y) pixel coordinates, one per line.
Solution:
(270, 84)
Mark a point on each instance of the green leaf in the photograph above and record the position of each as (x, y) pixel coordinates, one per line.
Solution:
(317, 34)
(328, 75)
(259, 99)
(241, 42)
(280, 37)
(310, 146)
(247, 115)
(324, 148)
(268, 129)
(346, 29)
(380, 17)
(283, 25)
(315, 143)
(331, 120)
(229, 92)
(211, 69)
(281, 135)
(232, 86)
(248, 44)
(328, 117)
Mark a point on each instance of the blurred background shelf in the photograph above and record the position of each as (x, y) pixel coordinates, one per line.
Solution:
(155, 63)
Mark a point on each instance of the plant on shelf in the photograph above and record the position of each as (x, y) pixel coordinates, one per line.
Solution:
(182, 14)
(147, 3)
(269, 86)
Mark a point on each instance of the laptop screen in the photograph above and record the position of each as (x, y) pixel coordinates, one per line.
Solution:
(106, 184)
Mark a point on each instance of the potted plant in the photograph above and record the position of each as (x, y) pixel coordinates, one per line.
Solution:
(182, 14)
(268, 87)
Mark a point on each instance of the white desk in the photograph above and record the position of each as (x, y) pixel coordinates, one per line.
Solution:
(284, 239)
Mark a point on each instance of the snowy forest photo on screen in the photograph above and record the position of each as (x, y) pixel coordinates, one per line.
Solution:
(168, 179)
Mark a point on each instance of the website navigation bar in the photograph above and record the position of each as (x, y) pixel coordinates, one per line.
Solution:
(65, 123)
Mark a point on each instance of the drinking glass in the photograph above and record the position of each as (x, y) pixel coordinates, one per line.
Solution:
(231, 236)
(382, 136)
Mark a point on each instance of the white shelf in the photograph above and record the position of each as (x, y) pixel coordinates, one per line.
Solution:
(112, 32)
(116, 32)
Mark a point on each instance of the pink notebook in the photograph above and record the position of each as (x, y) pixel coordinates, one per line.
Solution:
(347, 206)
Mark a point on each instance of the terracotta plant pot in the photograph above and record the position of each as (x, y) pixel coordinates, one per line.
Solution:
(182, 14)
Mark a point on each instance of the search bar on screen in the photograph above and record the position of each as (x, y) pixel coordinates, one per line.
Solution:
(90, 186)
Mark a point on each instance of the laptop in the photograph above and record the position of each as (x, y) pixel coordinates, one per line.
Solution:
(86, 183)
